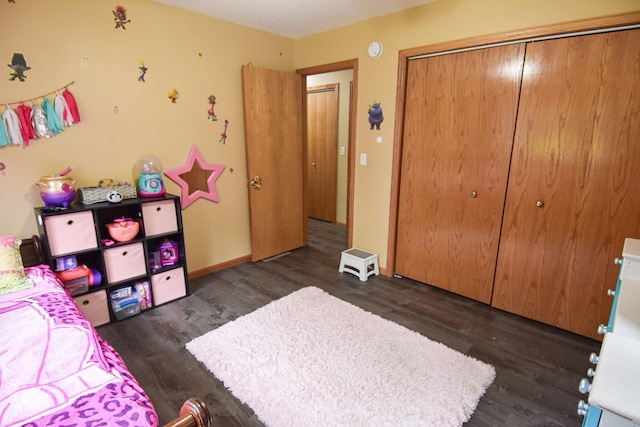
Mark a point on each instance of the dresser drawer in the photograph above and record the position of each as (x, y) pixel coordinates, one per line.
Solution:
(159, 217)
(69, 233)
(125, 262)
(168, 286)
(94, 306)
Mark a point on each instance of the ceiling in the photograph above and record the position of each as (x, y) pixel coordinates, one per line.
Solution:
(294, 18)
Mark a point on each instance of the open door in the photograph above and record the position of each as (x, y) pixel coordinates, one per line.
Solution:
(273, 120)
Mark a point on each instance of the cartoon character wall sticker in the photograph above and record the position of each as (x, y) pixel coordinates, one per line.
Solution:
(19, 66)
(375, 115)
(173, 95)
(120, 17)
(210, 111)
(143, 71)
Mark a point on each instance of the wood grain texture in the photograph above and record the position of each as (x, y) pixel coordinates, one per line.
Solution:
(538, 366)
(575, 152)
(274, 151)
(459, 122)
(322, 151)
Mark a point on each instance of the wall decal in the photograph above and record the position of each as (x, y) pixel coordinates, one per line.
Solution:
(19, 66)
(197, 178)
(143, 71)
(84, 62)
(223, 135)
(210, 111)
(120, 17)
(375, 115)
(173, 95)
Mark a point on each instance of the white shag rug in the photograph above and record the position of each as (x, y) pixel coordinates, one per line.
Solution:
(310, 359)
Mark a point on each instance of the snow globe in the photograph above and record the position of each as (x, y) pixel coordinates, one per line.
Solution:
(148, 174)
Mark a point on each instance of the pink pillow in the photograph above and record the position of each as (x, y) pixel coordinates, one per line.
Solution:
(12, 277)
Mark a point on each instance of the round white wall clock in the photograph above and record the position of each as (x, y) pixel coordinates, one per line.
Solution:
(375, 49)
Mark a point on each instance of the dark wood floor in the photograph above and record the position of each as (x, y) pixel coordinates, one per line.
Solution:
(538, 367)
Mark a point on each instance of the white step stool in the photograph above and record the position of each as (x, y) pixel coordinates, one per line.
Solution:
(359, 263)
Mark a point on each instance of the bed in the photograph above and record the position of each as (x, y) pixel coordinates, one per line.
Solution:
(55, 368)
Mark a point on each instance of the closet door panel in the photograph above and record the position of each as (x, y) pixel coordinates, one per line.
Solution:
(459, 123)
(565, 217)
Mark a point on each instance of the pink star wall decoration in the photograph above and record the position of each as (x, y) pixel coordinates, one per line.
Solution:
(197, 179)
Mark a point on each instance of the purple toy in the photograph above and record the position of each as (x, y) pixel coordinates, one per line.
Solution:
(56, 190)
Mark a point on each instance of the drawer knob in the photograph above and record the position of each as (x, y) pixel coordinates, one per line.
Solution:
(585, 386)
(583, 407)
(611, 292)
(617, 261)
(124, 253)
(602, 329)
(85, 302)
(158, 209)
(540, 203)
(591, 372)
(474, 194)
(70, 222)
(593, 358)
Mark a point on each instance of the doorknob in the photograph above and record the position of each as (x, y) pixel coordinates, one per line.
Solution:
(256, 182)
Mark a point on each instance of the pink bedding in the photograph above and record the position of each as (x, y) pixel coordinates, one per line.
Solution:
(56, 370)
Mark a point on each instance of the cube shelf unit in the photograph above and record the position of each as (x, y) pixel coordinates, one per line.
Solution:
(138, 264)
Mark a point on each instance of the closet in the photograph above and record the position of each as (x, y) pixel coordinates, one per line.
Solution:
(520, 174)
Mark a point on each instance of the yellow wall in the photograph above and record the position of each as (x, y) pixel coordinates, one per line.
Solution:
(442, 20)
(55, 36)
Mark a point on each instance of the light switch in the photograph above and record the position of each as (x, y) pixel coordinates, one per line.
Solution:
(363, 159)
(343, 150)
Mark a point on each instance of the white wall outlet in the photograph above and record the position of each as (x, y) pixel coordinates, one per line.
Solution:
(363, 159)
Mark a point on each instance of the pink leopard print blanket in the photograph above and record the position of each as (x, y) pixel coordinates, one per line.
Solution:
(55, 369)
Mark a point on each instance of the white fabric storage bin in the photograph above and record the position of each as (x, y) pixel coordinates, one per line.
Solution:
(124, 262)
(68, 233)
(94, 307)
(159, 217)
(168, 285)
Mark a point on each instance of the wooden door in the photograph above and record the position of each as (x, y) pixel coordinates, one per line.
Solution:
(573, 188)
(459, 120)
(322, 151)
(274, 149)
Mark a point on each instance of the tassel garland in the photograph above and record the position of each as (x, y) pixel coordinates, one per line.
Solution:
(24, 123)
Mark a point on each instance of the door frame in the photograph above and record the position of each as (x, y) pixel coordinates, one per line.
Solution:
(605, 23)
(349, 64)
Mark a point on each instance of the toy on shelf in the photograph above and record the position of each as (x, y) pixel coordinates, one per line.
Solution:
(57, 190)
(168, 252)
(148, 173)
(123, 229)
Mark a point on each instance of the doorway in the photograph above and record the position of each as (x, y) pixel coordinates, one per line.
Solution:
(344, 74)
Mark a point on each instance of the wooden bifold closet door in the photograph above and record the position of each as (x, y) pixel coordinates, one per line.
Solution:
(574, 191)
(458, 133)
(533, 230)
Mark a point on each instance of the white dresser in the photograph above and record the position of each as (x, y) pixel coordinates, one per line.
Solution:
(614, 387)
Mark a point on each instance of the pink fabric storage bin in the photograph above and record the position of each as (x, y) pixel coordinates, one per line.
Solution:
(159, 217)
(68, 233)
(94, 306)
(124, 262)
(168, 286)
